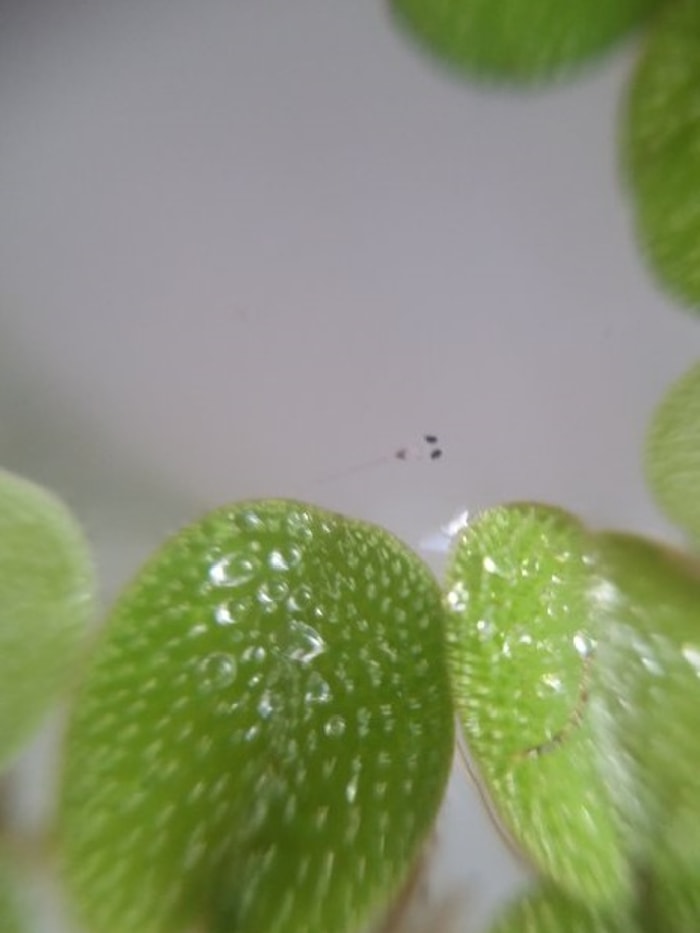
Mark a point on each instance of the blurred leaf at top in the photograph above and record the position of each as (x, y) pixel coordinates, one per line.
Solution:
(661, 149)
(520, 41)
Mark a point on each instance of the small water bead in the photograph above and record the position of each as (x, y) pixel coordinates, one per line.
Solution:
(550, 683)
(250, 520)
(302, 643)
(351, 789)
(352, 785)
(232, 570)
(335, 727)
(490, 565)
(215, 672)
(584, 645)
(300, 524)
(271, 594)
(691, 653)
(223, 615)
(486, 629)
(301, 599)
(252, 733)
(266, 706)
(317, 689)
(277, 561)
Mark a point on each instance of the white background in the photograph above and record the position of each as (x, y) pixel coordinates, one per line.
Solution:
(247, 246)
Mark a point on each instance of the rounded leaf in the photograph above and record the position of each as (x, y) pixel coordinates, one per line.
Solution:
(662, 149)
(647, 698)
(521, 650)
(264, 737)
(518, 40)
(47, 596)
(672, 455)
(551, 910)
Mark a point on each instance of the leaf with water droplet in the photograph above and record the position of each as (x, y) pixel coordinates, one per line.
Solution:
(259, 743)
(47, 596)
(672, 455)
(518, 40)
(661, 149)
(522, 653)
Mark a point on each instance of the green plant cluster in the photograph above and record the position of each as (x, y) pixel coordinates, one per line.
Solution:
(261, 735)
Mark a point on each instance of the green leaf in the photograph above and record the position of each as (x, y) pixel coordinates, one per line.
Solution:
(661, 147)
(672, 454)
(521, 648)
(47, 596)
(12, 915)
(664, 904)
(551, 910)
(669, 901)
(647, 697)
(264, 737)
(518, 40)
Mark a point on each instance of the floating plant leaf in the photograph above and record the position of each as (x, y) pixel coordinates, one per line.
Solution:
(265, 734)
(662, 905)
(521, 654)
(12, 919)
(673, 453)
(519, 40)
(47, 592)
(551, 910)
(647, 699)
(662, 149)
(669, 901)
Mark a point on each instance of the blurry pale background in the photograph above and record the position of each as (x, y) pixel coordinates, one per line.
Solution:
(247, 246)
